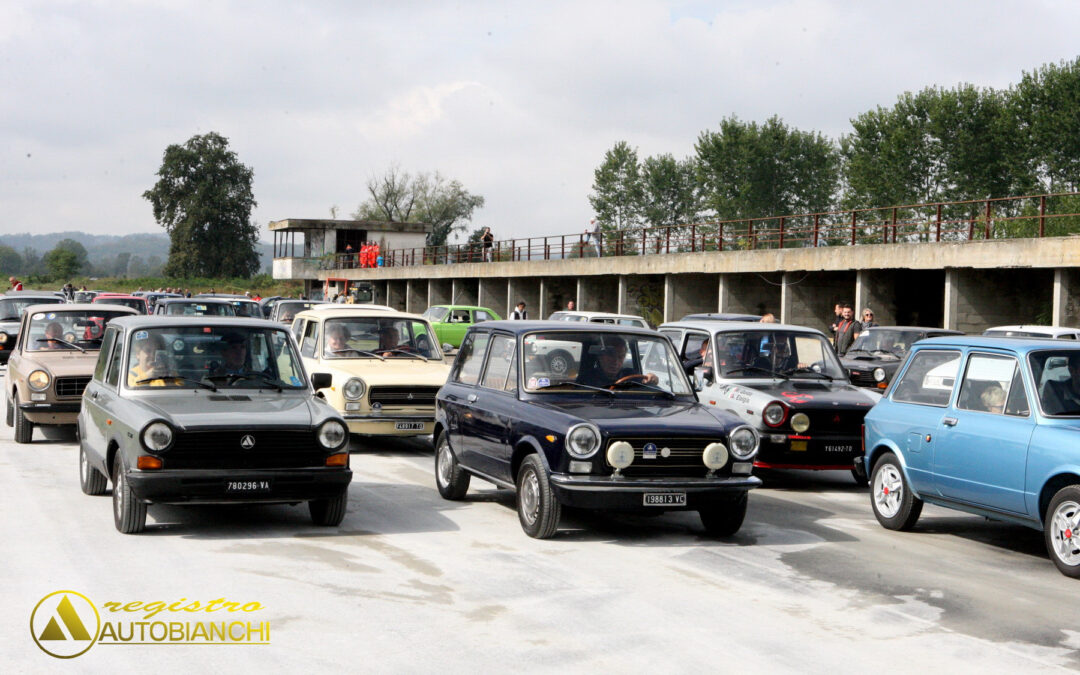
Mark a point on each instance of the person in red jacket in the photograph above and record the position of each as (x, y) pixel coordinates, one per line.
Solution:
(16, 285)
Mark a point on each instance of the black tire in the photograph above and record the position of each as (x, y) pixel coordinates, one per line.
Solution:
(559, 361)
(329, 512)
(451, 480)
(10, 413)
(1061, 530)
(895, 506)
(93, 482)
(24, 428)
(724, 520)
(129, 514)
(538, 510)
(860, 480)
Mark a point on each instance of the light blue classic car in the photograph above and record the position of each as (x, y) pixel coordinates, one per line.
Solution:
(983, 425)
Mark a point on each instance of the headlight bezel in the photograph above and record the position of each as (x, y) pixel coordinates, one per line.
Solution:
(326, 425)
(358, 382)
(151, 448)
(784, 410)
(733, 447)
(582, 426)
(43, 373)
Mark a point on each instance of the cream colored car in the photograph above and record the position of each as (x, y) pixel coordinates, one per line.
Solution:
(387, 367)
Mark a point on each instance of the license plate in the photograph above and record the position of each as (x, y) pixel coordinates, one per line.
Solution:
(665, 499)
(798, 446)
(409, 426)
(839, 448)
(247, 486)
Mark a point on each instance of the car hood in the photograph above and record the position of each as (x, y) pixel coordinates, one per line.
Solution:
(870, 362)
(649, 418)
(815, 395)
(9, 326)
(381, 373)
(193, 409)
(60, 363)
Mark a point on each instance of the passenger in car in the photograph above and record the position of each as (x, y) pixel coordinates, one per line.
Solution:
(993, 398)
(337, 341)
(148, 368)
(54, 337)
(609, 367)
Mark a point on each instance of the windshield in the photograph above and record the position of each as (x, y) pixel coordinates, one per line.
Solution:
(288, 310)
(11, 309)
(379, 338)
(895, 342)
(435, 313)
(134, 303)
(1018, 333)
(774, 353)
(606, 361)
(198, 309)
(1057, 380)
(213, 357)
(80, 330)
(247, 308)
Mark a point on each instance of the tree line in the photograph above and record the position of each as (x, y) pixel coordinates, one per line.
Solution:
(69, 259)
(937, 145)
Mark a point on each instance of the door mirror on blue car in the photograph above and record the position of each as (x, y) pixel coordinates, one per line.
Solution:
(702, 377)
(321, 380)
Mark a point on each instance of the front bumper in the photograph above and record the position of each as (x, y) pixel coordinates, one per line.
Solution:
(202, 486)
(50, 413)
(386, 425)
(604, 492)
(814, 452)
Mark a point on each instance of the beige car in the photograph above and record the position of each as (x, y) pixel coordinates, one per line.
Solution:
(52, 361)
(387, 367)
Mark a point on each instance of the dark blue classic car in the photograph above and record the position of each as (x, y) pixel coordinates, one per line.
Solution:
(983, 425)
(620, 428)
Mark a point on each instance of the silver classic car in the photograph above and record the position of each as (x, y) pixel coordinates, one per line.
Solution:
(209, 410)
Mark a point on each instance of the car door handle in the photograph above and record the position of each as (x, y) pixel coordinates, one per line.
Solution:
(949, 421)
(93, 395)
(472, 398)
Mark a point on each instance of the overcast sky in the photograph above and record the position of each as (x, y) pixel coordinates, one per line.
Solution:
(518, 101)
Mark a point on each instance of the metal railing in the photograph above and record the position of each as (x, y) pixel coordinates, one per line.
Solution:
(969, 220)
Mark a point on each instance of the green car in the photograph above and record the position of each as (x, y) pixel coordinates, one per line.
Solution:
(451, 321)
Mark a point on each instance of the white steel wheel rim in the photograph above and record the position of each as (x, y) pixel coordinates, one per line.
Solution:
(118, 492)
(888, 490)
(530, 496)
(446, 463)
(1065, 533)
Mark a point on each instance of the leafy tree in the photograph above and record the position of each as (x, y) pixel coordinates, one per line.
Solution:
(62, 263)
(1046, 102)
(10, 261)
(77, 249)
(617, 189)
(203, 199)
(32, 262)
(669, 191)
(400, 197)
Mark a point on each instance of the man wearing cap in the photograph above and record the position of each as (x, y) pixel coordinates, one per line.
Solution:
(608, 369)
(235, 355)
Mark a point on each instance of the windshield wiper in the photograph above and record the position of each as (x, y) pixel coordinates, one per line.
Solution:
(63, 342)
(647, 386)
(577, 384)
(177, 376)
(357, 351)
(810, 371)
(10, 318)
(260, 376)
(405, 352)
(757, 368)
(883, 351)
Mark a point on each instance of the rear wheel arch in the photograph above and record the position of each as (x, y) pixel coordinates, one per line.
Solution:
(1051, 487)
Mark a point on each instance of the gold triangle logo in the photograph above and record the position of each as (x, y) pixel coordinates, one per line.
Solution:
(71, 621)
(52, 631)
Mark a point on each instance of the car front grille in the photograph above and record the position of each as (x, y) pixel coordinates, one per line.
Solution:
(684, 459)
(836, 420)
(863, 378)
(404, 396)
(273, 449)
(71, 387)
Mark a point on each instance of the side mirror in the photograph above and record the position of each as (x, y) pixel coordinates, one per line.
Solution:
(321, 380)
(702, 377)
(447, 347)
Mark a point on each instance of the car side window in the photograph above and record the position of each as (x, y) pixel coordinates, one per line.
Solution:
(512, 376)
(459, 316)
(480, 315)
(929, 379)
(112, 375)
(986, 384)
(1017, 403)
(471, 358)
(297, 329)
(501, 356)
(103, 356)
(693, 345)
(311, 337)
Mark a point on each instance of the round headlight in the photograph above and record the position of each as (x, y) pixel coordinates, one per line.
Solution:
(582, 441)
(774, 414)
(620, 454)
(353, 389)
(715, 456)
(879, 374)
(39, 380)
(744, 442)
(332, 434)
(3, 338)
(157, 437)
(800, 422)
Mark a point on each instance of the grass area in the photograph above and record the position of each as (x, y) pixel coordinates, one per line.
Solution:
(262, 284)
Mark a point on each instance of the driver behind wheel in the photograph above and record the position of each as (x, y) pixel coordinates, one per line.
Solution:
(234, 354)
(609, 367)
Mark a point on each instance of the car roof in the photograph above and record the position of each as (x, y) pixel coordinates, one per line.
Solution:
(195, 301)
(336, 312)
(715, 325)
(1053, 330)
(921, 329)
(720, 316)
(81, 307)
(126, 296)
(158, 321)
(590, 315)
(520, 327)
(352, 308)
(1018, 344)
(486, 309)
(32, 294)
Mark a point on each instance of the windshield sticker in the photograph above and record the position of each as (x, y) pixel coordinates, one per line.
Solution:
(38, 317)
(51, 316)
(295, 381)
(532, 383)
(542, 382)
(141, 335)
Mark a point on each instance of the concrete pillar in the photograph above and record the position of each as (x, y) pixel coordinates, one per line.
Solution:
(397, 292)
(689, 294)
(622, 301)
(493, 295)
(440, 292)
(417, 296)
(877, 290)
(527, 289)
(1066, 300)
(381, 288)
(952, 298)
(598, 294)
(466, 291)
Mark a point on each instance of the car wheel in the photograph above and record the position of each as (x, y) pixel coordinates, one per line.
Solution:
(24, 428)
(895, 507)
(860, 479)
(1061, 528)
(329, 512)
(559, 362)
(450, 478)
(10, 413)
(92, 480)
(724, 520)
(538, 510)
(129, 514)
